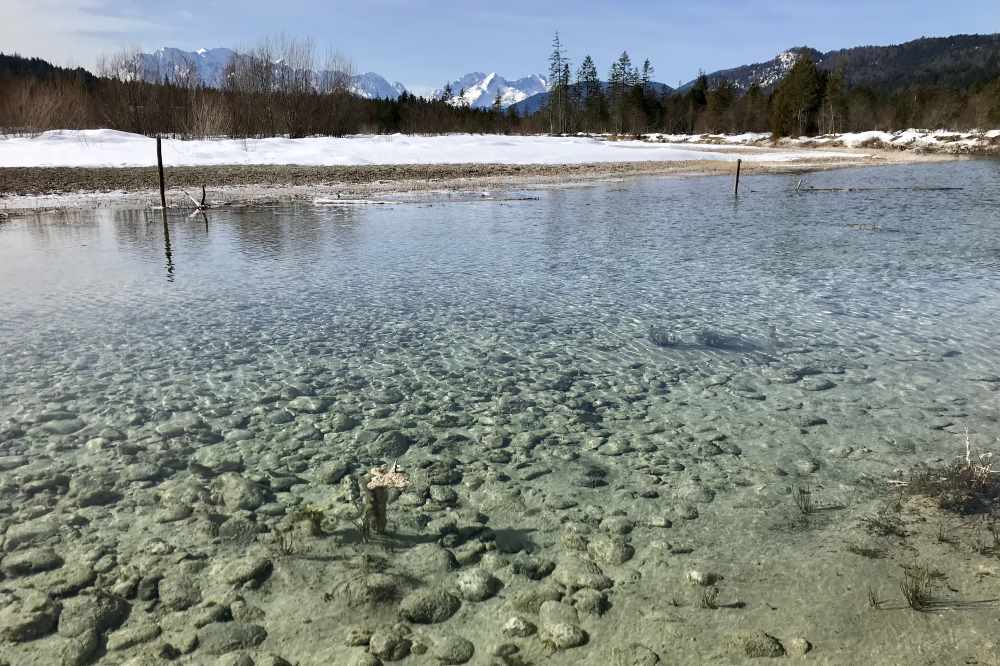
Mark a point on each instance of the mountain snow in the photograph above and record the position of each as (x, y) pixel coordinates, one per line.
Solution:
(771, 73)
(209, 65)
(373, 86)
(479, 90)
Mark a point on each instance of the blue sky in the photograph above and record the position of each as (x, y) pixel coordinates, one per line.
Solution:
(424, 43)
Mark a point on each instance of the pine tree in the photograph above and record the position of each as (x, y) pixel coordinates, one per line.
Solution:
(557, 90)
(834, 103)
(589, 89)
(797, 100)
(647, 75)
(446, 93)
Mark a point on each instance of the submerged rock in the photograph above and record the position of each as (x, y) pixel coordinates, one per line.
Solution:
(453, 650)
(29, 562)
(428, 606)
(756, 644)
(221, 637)
(27, 615)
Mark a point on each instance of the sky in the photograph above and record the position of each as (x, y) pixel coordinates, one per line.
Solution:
(423, 43)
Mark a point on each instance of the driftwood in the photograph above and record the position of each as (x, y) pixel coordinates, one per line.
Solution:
(799, 188)
(198, 206)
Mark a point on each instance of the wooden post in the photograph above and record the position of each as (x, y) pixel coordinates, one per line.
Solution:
(736, 189)
(159, 163)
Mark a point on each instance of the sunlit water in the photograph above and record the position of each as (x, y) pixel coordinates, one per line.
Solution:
(779, 329)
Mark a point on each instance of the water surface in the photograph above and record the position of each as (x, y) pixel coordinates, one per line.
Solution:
(704, 353)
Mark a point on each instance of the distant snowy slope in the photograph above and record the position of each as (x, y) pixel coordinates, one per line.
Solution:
(373, 86)
(209, 66)
(479, 90)
(765, 74)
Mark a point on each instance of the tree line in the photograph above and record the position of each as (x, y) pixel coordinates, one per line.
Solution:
(303, 97)
(275, 89)
(807, 101)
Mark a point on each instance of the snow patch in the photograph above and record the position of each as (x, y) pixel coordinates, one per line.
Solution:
(99, 148)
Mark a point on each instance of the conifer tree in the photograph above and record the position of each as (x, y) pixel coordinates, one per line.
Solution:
(558, 87)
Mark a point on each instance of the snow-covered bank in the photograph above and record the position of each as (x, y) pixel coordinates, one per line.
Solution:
(109, 148)
(945, 141)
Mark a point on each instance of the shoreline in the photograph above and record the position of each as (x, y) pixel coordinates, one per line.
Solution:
(36, 189)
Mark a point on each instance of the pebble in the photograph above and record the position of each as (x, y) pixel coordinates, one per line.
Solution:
(131, 636)
(29, 562)
(575, 572)
(428, 606)
(797, 647)
(518, 627)
(610, 550)
(28, 615)
(755, 644)
(221, 637)
(452, 649)
(91, 613)
(390, 643)
(477, 585)
(563, 636)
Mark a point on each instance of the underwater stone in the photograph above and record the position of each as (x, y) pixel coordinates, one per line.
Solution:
(29, 615)
(575, 572)
(590, 601)
(518, 627)
(390, 643)
(477, 585)
(30, 562)
(92, 613)
(638, 655)
(307, 405)
(428, 606)
(756, 644)
(237, 493)
(222, 637)
(138, 634)
(610, 550)
(453, 650)
(563, 636)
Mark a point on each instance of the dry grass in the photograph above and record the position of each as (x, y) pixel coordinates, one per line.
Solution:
(968, 486)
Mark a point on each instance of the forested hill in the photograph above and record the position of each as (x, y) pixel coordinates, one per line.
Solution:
(15, 66)
(958, 61)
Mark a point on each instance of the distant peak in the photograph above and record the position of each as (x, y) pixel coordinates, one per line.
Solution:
(201, 51)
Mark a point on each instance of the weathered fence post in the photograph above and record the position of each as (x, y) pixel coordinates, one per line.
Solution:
(159, 164)
(736, 189)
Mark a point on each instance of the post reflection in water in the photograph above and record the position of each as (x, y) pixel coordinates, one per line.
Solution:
(166, 248)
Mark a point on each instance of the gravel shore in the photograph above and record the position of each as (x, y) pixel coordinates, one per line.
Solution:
(42, 188)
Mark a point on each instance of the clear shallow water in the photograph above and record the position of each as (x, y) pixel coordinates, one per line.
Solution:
(800, 348)
(585, 272)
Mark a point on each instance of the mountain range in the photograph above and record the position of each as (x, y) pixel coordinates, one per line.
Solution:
(210, 65)
(479, 91)
(959, 60)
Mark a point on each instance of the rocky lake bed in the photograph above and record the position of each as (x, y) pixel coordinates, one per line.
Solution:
(640, 425)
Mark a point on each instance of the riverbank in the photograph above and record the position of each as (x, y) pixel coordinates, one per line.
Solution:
(38, 188)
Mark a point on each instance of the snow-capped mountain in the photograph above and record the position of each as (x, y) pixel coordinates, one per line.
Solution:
(373, 86)
(479, 90)
(176, 65)
(209, 66)
(765, 74)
